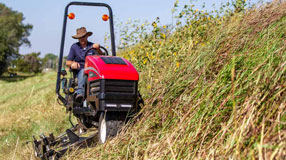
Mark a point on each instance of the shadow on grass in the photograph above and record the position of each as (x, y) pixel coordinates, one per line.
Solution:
(15, 78)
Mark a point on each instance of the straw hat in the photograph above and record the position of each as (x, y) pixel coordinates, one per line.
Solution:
(81, 32)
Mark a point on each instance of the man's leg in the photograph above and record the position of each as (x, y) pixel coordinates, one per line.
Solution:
(81, 85)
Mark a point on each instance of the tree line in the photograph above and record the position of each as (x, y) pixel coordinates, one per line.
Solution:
(32, 63)
(13, 34)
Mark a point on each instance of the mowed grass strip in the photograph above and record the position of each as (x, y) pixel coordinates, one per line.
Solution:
(28, 107)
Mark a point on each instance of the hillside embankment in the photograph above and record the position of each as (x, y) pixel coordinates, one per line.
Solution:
(213, 89)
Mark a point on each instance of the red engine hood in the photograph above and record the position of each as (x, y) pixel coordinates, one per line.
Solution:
(97, 67)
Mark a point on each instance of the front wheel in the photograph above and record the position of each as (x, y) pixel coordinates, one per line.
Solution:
(107, 127)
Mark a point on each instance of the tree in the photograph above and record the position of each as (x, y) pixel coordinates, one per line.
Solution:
(13, 34)
(49, 61)
(29, 63)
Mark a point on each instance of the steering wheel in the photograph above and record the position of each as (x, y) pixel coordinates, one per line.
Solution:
(101, 47)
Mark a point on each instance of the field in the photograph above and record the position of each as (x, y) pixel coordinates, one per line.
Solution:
(28, 107)
(214, 88)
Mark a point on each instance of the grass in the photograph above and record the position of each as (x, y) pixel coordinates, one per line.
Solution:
(28, 107)
(213, 89)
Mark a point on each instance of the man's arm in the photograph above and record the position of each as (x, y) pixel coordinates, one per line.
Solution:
(70, 63)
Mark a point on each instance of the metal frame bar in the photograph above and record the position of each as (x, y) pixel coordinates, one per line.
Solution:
(64, 34)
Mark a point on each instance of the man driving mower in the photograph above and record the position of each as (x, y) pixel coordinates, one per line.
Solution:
(76, 58)
(109, 83)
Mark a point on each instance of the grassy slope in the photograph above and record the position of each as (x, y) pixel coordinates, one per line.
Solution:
(27, 108)
(221, 96)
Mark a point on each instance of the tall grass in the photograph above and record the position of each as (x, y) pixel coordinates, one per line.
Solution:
(214, 89)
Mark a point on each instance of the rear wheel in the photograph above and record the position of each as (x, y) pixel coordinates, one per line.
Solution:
(108, 127)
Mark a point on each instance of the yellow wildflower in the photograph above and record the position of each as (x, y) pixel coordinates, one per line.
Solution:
(164, 27)
(177, 64)
(147, 54)
(154, 24)
(145, 61)
(175, 53)
(163, 35)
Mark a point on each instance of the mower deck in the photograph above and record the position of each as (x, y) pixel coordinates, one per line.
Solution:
(53, 148)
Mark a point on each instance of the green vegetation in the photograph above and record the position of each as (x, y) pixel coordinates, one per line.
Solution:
(27, 108)
(214, 89)
(29, 63)
(13, 34)
(49, 61)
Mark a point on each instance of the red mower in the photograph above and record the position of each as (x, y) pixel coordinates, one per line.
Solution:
(112, 97)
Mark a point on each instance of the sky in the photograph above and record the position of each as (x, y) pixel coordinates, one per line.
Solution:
(46, 16)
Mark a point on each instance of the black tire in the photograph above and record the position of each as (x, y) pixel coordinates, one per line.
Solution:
(107, 127)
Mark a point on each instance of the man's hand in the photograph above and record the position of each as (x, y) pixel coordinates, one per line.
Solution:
(96, 46)
(75, 65)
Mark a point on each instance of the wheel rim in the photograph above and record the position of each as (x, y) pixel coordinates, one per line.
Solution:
(103, 131)
(36, 153)
(80, 131)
